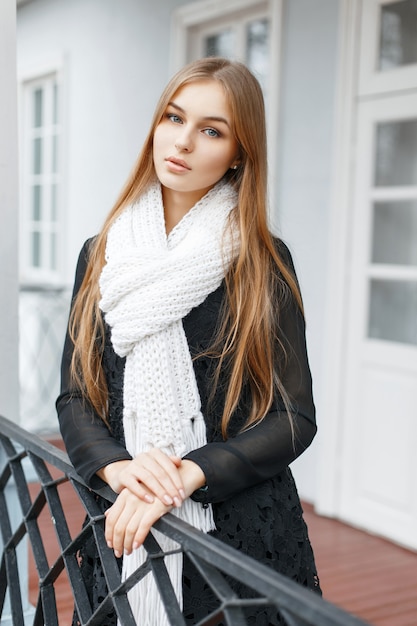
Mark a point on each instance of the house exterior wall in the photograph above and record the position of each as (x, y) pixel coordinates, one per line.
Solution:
(306, 143)
(9, 379)
(115, 58)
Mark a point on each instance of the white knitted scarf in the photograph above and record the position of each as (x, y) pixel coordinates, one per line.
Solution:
(148, 284)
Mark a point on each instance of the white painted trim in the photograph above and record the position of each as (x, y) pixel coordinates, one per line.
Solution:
(9, 367)
(371, 80)
(276, 9)
(331, 416)
(55, 63)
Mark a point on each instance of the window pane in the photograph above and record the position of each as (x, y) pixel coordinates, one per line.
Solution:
(393, 311)
(37, 155)
(55, 109)
(221, 44)
(398, 37)
(257, 44)
(36, 249)
(53, 252)
(54, 208)
(54, 154)
(37, 108)
(395, 232)
(37, 203)
(396, 153)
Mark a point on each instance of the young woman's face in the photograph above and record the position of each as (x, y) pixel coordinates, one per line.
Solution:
(193, 145)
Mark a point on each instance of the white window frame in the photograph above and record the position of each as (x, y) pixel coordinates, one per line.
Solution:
(44, 74)
(189, 17)
(371, 80)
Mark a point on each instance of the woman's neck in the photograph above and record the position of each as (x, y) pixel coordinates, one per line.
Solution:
(177, 204)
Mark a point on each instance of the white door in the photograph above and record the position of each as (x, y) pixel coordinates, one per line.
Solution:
(378, 489)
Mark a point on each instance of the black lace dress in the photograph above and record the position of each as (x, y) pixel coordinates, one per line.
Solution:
(255, 503)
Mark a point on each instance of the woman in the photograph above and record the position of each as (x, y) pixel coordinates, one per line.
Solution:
(185, 377)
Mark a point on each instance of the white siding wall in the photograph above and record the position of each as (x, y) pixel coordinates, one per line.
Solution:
(9, 375)
(115, 60)
(309, 64)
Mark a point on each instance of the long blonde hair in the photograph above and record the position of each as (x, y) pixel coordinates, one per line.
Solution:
(248, 336)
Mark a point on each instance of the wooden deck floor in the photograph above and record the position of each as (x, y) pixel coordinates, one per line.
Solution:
(364, 574)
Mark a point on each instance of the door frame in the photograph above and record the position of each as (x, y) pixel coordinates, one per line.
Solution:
(332, 410)
(333, 414)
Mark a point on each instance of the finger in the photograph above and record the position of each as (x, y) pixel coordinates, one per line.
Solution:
(158, 474)
(118, 517)
(165, 469)
(151, 515)
(135, 486)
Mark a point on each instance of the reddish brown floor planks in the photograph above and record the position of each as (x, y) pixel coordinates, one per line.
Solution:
(363, 574)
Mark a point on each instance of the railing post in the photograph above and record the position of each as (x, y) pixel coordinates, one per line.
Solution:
(9, 280)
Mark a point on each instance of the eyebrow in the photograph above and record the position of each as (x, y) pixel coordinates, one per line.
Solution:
(212, 118)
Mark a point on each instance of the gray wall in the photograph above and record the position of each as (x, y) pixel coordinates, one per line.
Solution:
(307, 111)
(115, 61)
(9, 374)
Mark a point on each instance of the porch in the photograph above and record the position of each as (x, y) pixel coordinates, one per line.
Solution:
(361, 573)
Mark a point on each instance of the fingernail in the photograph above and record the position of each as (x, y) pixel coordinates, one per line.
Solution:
(149, 498)
(109, 544)
(167, 499)
(177, 502)
(135, 545)
(182, 494)
(117, 554)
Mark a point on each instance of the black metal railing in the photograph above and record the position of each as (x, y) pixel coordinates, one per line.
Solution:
(24, 454)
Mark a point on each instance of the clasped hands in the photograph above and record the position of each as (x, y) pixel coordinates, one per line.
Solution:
(148, 486)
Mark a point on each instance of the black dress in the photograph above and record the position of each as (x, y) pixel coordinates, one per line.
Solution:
(255, 503)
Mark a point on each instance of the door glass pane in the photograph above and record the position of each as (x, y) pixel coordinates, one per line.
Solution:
(396, 153)
(257, 44)
(393, 311)
(395, 232)
(398, 36)
(221, 44)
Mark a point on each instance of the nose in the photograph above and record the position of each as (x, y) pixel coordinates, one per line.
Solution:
(183, 142)
(182, 146)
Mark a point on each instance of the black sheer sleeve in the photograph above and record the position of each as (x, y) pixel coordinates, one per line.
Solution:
(267, 448)
(88, 441)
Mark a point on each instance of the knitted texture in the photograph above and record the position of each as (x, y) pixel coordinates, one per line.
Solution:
(149, 283)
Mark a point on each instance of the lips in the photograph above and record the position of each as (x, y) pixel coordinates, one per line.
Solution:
(176, 164)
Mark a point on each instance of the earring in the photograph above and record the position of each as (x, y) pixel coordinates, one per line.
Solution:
(234, 167)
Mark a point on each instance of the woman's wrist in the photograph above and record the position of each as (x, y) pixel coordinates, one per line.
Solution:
(110, 474)
(192, 476)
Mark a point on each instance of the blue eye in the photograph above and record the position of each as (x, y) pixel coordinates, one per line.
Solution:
(211, 132)
(174, 118)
